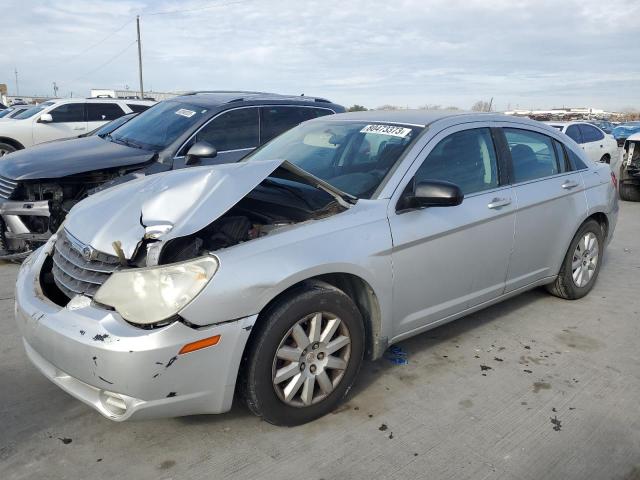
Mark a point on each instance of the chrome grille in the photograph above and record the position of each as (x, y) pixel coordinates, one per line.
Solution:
(7, 187)
(75, 274)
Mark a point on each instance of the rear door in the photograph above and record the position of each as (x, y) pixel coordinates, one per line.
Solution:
(99, 113)
(277, 119)
(550, 197)
(69, 120)
(448, 259)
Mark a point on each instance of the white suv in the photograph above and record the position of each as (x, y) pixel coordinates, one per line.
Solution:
(63, 118)
(599, 146)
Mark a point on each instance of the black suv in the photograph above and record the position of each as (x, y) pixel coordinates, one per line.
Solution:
(39, 185)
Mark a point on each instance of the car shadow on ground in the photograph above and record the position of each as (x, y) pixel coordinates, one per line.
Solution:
(372, 371)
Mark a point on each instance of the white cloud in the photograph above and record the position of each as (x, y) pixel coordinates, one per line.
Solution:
(527, 52)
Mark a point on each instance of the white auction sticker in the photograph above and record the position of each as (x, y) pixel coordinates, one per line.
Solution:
(186, 113)
(392, 130)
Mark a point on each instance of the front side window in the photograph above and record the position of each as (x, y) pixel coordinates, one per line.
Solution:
(30, 112)
(103, 112)
(232, 130)
(573, 132)
(67, 113)
(532, 154)
(276, 120)
(466, 158)
(590, 134)
(354, 157)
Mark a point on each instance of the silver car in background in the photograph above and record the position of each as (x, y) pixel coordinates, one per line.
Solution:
(275, 276)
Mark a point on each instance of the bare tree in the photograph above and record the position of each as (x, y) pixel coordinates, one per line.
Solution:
(357, 108)
(389, 107)
(481, 106)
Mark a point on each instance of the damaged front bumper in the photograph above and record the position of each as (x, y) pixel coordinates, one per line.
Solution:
(15, 235)
(123, 371)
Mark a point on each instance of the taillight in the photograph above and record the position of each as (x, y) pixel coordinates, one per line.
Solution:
(614, 180)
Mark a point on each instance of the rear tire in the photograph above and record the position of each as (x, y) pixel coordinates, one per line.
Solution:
(6, 149)
(580, 268)
(629, 192)
(293, 372)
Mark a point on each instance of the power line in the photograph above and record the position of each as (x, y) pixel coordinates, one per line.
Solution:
(189, 10)
(121, 52)
(101, 41)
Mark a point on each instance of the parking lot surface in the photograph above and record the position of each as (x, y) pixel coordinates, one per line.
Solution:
(533, 388)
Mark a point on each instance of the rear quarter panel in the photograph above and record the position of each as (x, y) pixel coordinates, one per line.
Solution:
(601, 195)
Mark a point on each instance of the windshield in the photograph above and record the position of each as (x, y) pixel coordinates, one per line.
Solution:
(110, 127)
(159, 126)
(351, 156)
(30, 112)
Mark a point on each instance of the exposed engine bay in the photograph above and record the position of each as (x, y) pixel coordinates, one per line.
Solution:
(36, 209)
(274, 204)
(271, 206)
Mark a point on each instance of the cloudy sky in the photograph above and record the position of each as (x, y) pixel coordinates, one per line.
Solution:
(523, 53)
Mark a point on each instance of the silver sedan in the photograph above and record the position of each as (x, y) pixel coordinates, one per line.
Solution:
(274, 277)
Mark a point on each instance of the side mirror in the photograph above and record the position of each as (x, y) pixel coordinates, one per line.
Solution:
(432, 193)
(198, 151)
(45, 118)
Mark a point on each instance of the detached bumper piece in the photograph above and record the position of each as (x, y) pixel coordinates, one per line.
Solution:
(12, 224)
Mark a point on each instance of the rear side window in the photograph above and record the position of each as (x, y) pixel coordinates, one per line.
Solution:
(69, 112)
(103, 112)
(590, 134)
(574, 132)
(563, 161)
(277, 120)
(466, 158)
(232, 130)
(532, 154)
(135, 108)
(575, 161)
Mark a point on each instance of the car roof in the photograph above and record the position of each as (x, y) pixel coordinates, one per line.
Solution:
(215, 98)
(423, 118)
(635, 136)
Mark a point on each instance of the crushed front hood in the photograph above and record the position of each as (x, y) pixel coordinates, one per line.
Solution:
(71, 157)
(180, 202)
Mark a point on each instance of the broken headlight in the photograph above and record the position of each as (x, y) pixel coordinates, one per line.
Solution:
(150, 295)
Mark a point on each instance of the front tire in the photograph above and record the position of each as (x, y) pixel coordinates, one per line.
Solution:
(304, 355)
(581, 264)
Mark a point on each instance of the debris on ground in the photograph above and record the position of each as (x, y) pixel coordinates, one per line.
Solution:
(557, 425)
(65, 440)
(485, 367)
(396, 355)
(383, 427)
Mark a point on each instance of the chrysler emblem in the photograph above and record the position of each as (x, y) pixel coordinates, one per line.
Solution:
(87, 252)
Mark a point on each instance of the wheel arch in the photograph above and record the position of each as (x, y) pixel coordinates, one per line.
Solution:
(363, 296)
(12, 142)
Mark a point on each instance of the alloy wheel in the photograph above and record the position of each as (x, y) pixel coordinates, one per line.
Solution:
(311, 359)
(585, 260)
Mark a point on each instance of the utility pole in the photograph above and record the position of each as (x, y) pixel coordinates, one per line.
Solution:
(490, 103)
(17, 86)
(140, 58)
(55, 90)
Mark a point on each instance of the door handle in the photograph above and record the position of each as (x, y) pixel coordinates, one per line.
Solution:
(79, 128)
(499, 202)
(569, 184)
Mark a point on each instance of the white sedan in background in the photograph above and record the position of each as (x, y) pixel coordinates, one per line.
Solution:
(599, 146)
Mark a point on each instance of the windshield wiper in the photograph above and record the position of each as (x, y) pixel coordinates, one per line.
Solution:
(344, 199)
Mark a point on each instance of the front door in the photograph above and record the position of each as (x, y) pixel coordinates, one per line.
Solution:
(446, 260)
(69, 121)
